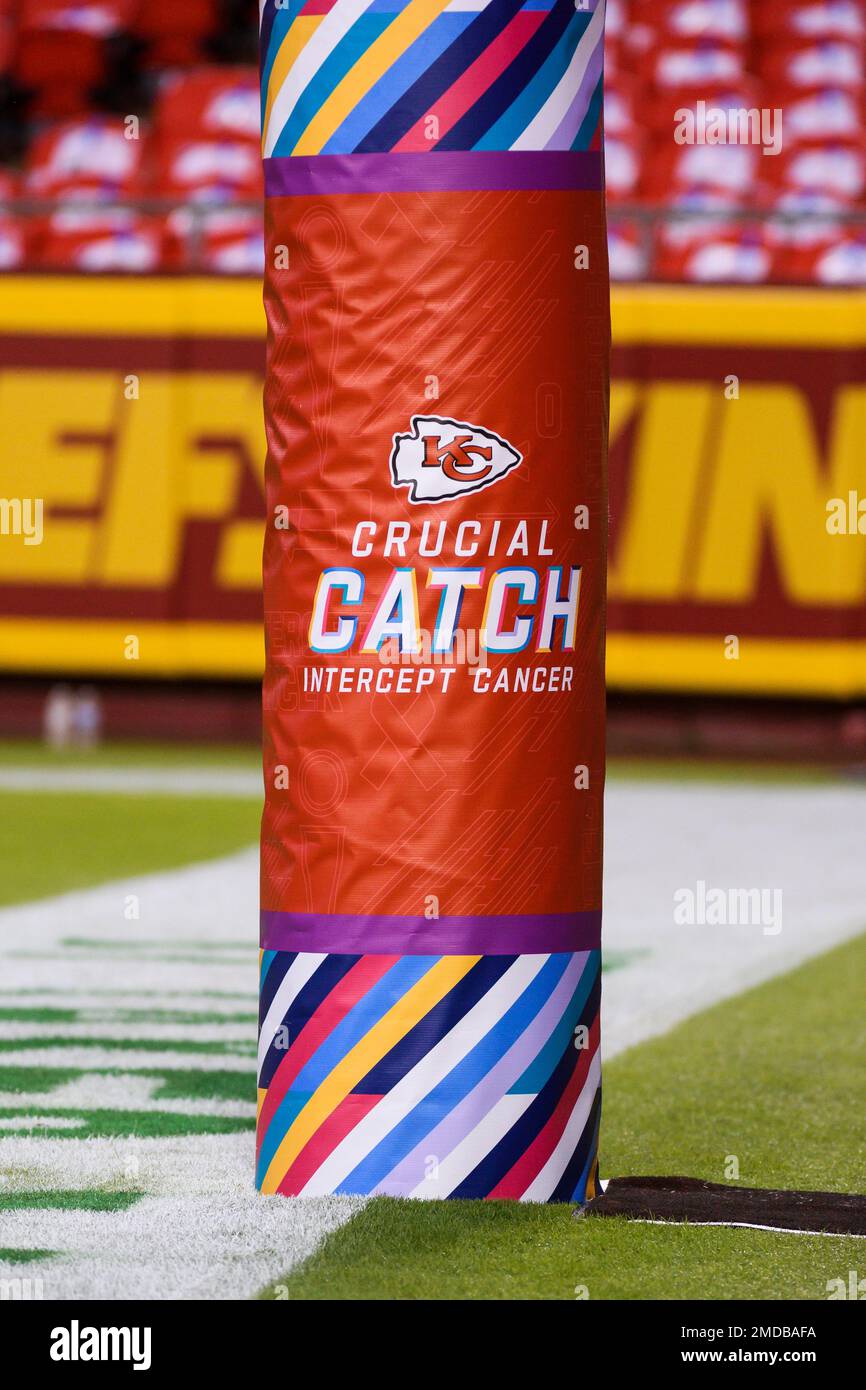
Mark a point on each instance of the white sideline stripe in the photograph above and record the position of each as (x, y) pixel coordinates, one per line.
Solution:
(226, 1033)
(118, 1059)
(751, 1226)
(333, 28)
(540, 1189)
(156, 781)
(302, 968)
(33, 1121)
(461, 1161)
(544, 124)
(109, 1002)
(424, 1076)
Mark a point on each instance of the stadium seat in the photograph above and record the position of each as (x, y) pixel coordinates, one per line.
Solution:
(60, 51)
(91, 157)
(208, 104)
(113, 239)
(174, 34)
(208, 170)
(199, 137)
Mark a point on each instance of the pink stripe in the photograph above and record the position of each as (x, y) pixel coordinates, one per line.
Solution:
(349, 1113)
(474, 82)
(470, 1112)
(530, 1163)
(343, 997)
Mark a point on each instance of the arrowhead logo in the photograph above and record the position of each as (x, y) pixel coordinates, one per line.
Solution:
(440, 459)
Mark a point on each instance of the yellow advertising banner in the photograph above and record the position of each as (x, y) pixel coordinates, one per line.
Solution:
(131, 484)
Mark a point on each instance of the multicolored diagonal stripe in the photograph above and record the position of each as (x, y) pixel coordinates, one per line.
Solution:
(373, 76)
(429, 1076)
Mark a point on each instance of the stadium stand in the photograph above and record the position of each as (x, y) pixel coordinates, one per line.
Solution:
(145, 116)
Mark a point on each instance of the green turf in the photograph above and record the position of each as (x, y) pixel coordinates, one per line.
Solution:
(12, 1255)
(174, 1083)
(122, 1124)
(246, 757)
(768, 1077)
(717, 772)
(53, 843)
(69, 1199)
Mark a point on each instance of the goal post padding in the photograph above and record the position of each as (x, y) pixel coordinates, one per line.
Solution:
(436, 402)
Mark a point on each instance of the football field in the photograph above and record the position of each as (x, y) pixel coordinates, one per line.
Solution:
(734, 1051)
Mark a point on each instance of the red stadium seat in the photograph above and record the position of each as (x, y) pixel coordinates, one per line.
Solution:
(837, 171)
(209, 104)
(115, 239)
(627, 246)
(89, 157)
(209, 170)
(725, 21)
(223, 240)
(13, 243)
(812, 65)
(809, 19)
(175, 34)
(60, 53)
(729, 254)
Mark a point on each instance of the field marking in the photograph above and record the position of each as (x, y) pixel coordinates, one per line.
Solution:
(754, 1226)
(135, 781)
(661, 837)
(225, 1241)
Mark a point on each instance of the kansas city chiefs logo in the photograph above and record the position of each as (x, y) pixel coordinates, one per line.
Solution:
(440, 459)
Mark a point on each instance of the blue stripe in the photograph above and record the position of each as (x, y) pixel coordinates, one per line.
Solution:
(579, 1192)
(465, 133)
(351, 47)
(526, 107)
(569, 1189)
(271, 39)
(583, 139)
(282, 1120)
(271, 977)
(504, 1155)
(539, 1072)
(435, 78)
(462, 1079)
(320, 984)
(434, 1025)
(357, 131)
(360, 1019)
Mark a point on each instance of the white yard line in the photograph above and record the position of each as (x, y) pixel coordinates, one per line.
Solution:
(136, 781)
(201, 1231)
(807, 842)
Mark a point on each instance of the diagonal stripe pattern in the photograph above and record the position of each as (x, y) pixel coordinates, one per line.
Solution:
(429, 1076)
(372, 76)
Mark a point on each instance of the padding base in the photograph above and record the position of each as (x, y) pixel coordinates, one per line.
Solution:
(715, 1204)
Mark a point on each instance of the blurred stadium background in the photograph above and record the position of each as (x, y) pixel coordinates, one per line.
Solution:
(131, 334)
(132, 339)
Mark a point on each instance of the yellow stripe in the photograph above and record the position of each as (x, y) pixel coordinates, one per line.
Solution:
(638, 661)
(380, 56)
(394, 1025)
(197, 306)
(299, 35)
(194, 307)
(683, 314)
(166, 649)
(635, 661)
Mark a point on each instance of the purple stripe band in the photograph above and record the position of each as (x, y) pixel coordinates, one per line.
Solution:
(409, 172)
(342, 934)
